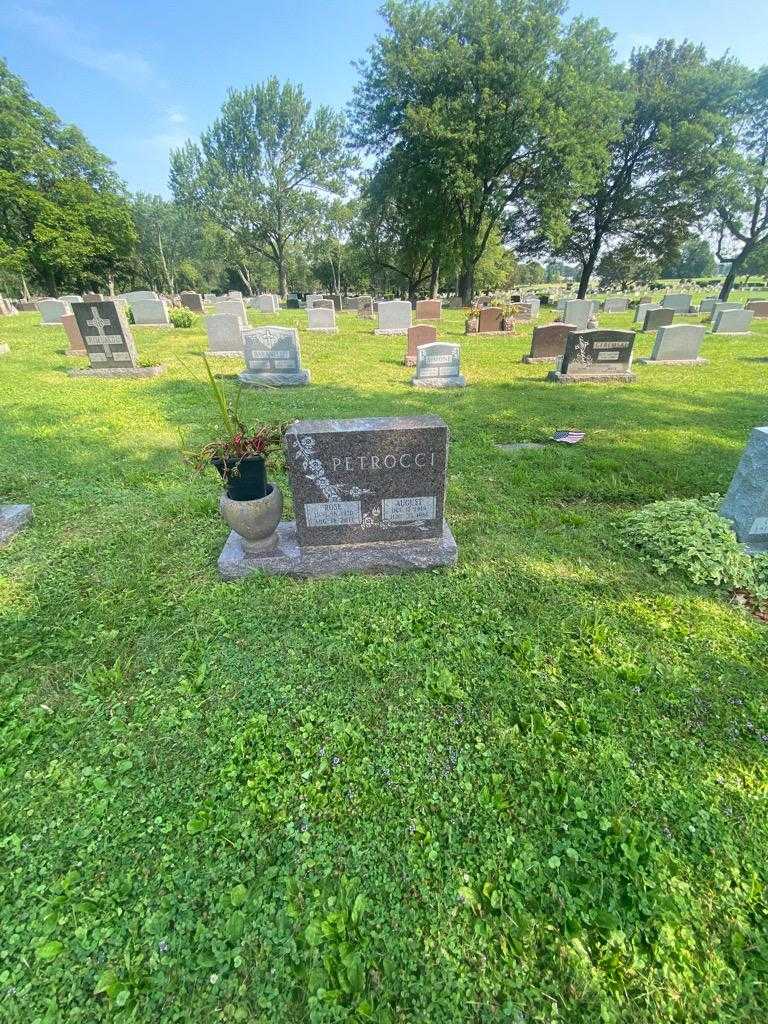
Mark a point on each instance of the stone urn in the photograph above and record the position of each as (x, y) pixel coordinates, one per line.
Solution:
(255, 521)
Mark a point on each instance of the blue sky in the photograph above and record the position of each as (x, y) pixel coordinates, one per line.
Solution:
(140, 77)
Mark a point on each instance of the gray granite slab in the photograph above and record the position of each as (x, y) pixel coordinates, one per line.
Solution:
(394, 317)
(746, 502)
(273, 358)
(13, 519)
(732, 321)
(548, 342)
(596, 355)
(678, 302)
(289, 559)
(369, 480)
(106, 335)
(438, 365)
(677, 344)
(120, 371)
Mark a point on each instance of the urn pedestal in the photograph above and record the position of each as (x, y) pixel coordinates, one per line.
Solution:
(255, 522)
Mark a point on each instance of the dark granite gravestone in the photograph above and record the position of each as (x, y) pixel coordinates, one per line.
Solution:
(548, 342)
(368, 496)
(323, 304)
(656, 318)
(292, 303)
(746, 503)
(272, 357)
(108, 342)
(192, 301)
(596, 356)
(491, 320)
(421, 334)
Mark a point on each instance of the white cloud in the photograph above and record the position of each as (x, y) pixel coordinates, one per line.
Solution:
(65, 39)
(177, 116)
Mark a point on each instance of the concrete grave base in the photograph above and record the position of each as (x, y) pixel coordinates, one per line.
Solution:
(439, 382)
(274, 380)
(288, 559)
(120, 371)
(673, 362)
(490, 334)
(518, 446)
(591, 378)
(232, 353)
(391, 330)
(13, 519)
(76, 352)
(323, 330)
(730, 334)
(539, 359)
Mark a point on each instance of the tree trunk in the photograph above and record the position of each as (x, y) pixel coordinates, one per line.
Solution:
(434, 278)
(282, 277)
(588, 269)
(730, 279)
(467, 285)
(111, 281)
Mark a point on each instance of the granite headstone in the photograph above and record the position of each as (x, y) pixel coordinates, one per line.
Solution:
(596, 355)
(224, 334)
(419, 334)
(746, 502)
(273, 357)
(548, 343)
(394, 317)
(438, 365)
(732, 321)
(108, 342)
(678, 344)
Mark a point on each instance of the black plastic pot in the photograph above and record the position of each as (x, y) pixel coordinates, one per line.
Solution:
(246, 478)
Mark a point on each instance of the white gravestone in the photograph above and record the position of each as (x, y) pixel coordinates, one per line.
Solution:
(273, 357)
(438, 365)
(732, 321)
(322, 319)
(131, 297)
(150, 312)
(578, 312)
(394, 317)
(677, 344)
(52, 310)
(680, 302)
(235, 307)
(71, 298)
(224, 332)
(268, 303)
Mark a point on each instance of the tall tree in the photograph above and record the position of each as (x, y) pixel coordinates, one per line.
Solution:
(695, 259)
(662, 163)
(64, 219)
(170, 235)
(486, 97)
(263, 168)
(742, 203)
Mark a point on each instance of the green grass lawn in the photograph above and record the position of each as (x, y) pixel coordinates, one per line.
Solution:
(530, 788)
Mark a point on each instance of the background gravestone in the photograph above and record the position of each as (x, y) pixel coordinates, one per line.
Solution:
(368, 497)
(656, 318)
(679, 302)
(394, 317)
(732, 321)
(322, 319)
(597, 356)
(490, 320)
(322, 303)
(192, 301)
(234, 307)
(224, 334)
(578, 311)
(312, 297)
(746, 502)
(365, 307)
(69, 299)
(678, 344)
(616, 305)
(108, 342)
(428, 309)
(759, 308)
(419, 334)
(13, 519)
(150, 312)
(266, 304)
(535, 303)
(642, 309)
(273, 357)
(438, 365)
(76, 343)
(548, 342)
(52, 310)
(131, 297)
(708, 304)
(720, 306)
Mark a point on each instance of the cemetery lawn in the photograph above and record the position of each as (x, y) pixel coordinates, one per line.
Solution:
(531, 788)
